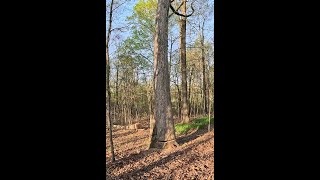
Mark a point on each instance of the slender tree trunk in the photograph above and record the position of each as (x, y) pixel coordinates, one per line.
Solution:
(170, 55)
(190, 81)
(208, 92)
(163, 135)
(108, 108)
(128, 116)
(151, 113)
(209, 128)
(125, 115)
(197, 111)
(189, 92)
(117, 92)
(136, 96)
(194, 108)
(183, 61)
(137, 117)
(179, 102)
(191, 107)
(114, 114)
(204, 72)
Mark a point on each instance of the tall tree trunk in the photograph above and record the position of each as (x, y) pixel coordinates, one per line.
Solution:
(189, 92)
(123, 119)
(170, 55)
(197, 112)
(136, 94)
(130, 115)
(117, 91)
(125, 115)
(179, 102)
(163, 135)
(136, 108)
(108, 108)
(209, 128)
(194, 108)
(190, 108)
(114, 114)
(183, 60)
(151, 113)
(205, 96)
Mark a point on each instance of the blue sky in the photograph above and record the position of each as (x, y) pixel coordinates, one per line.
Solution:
(121, 14)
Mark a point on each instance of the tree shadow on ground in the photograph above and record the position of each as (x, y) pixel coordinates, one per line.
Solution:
(164, 160)
(199, 175)
(132, 158)
(131, 140)
(128, 132)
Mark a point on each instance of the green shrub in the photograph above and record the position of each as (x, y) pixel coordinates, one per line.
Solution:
(196, 123)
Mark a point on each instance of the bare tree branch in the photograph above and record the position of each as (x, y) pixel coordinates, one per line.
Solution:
(176, 10)
(183, 15)
(118, 6)
(120, 28)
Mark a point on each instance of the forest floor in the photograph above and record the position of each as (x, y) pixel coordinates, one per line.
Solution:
(193, 159)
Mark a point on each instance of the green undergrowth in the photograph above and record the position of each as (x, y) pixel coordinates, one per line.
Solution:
(199, 123)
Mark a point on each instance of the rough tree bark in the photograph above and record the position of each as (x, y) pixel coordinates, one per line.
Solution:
(183, 60)
(163, 133)
(108, 108)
